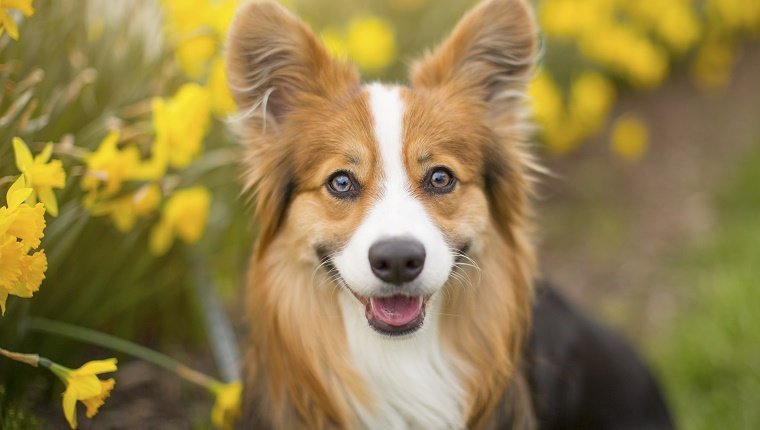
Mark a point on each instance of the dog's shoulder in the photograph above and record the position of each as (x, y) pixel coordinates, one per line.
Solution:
(585, 376)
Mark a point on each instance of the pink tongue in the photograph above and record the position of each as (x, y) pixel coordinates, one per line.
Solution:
(396, 310)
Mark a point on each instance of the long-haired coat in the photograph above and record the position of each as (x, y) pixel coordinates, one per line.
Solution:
(391, 285)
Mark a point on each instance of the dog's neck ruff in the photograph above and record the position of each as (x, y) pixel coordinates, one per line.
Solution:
(411, 378)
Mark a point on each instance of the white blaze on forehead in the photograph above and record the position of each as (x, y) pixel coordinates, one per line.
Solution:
(411, 378)
(396, 212)
(388, 114)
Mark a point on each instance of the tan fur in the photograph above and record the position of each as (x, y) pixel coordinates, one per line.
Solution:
(462, 111)
(466, 73)
(275, 63)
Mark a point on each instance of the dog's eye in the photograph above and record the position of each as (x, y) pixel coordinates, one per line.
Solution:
(342, 184)
(440, 180)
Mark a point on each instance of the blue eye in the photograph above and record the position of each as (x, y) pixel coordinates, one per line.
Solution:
(342, 185)
(440, 180)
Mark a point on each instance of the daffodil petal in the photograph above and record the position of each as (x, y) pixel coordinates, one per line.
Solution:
(122, 215)
(8, 24)
(226, 409)
(28, 225)
(97, 366)
(17, 193)
(94, 403)
(24, 157)
(33, 273)
(161, 238)
(44, 156)
(11, 262)
(25, 6)
(70, 407)
(32, 199)
(84, 385)
(47, 197)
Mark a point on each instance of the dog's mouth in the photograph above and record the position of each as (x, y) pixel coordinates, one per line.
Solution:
(395, 315)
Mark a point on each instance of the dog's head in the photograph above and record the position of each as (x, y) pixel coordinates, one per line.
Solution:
(388, 188)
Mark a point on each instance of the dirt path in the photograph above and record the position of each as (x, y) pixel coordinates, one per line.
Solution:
(608, 226)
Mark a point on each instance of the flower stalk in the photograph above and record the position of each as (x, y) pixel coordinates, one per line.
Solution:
(117, 344)
(226, 408)
(30, 359)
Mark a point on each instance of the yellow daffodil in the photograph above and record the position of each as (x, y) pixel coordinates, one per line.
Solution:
(83, 384)
(42, 174)
(194, 53)
(591, 98)
(221, 99)
(227, 406)
(198, 27)
(629, 138)
(571, 18)
(371, 43)
(6, 22)
(712, 64)
(674, 21)
(737, 15)
(30, 273)
(28, 223)
(222, 12)
(181, 124)
(185, 16)
(108, 167)
(626, 50)
(124, 211)
(21, 228)
(11, 254)
(547, 101)
(184, 215)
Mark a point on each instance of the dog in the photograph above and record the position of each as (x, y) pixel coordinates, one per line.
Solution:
(392, 284)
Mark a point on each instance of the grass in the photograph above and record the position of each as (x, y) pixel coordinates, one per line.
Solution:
(709, 358)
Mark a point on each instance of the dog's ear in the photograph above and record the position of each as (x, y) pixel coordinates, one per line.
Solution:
(274, 60)
(490, 53)
(488, 60)
(275, 65)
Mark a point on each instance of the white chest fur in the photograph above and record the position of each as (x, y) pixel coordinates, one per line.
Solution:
(411, 377)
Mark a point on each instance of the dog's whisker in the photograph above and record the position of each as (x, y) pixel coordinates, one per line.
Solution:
(470, 263)
(463, 276)
(445, 314)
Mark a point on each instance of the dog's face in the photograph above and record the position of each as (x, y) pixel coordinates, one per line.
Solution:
(402, 201)
(387, 188)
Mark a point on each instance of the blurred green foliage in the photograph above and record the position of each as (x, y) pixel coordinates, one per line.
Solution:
(14, 418)
(709, 358)
(67, 82)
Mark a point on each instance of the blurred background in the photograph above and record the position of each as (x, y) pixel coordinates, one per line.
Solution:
(648, 117)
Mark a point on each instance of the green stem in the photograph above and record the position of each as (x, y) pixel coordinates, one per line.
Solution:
(60, 371)
(30, 359)
(111, 342)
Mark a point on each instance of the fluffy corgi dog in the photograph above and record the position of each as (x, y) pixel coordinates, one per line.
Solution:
(391, 286)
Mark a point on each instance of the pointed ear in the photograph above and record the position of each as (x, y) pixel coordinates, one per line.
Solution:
(274, 61)
(490, 53)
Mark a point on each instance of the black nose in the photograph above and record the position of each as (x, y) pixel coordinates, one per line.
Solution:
(397, 260)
